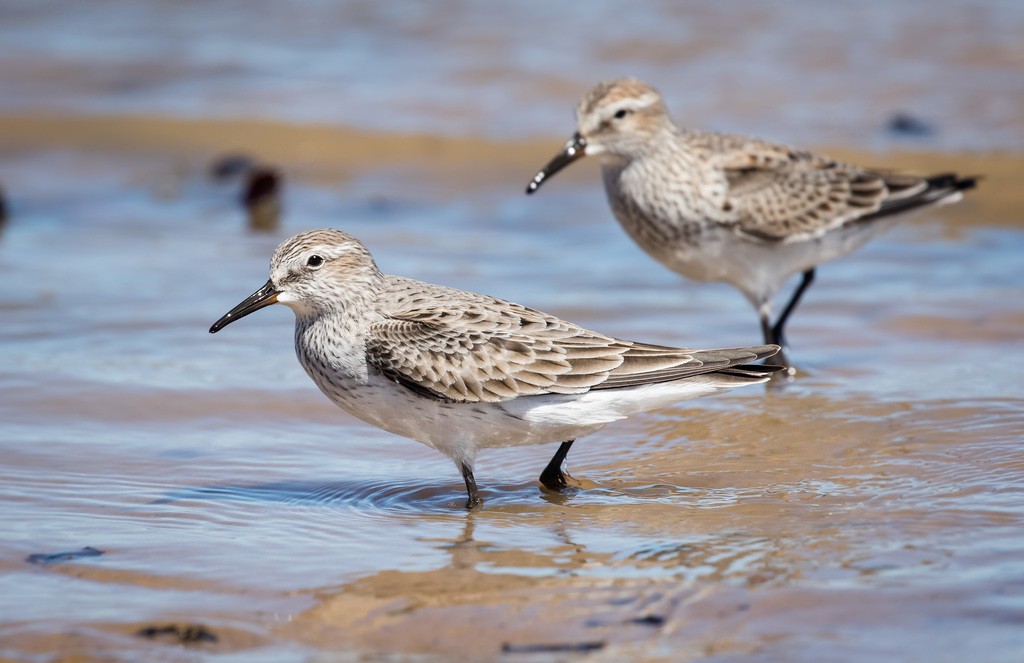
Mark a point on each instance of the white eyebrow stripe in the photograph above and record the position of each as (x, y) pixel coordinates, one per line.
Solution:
(643, 101)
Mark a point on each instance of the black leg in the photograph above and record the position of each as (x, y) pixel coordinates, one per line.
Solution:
(766, 329)
(778, 337)
(474, 493)
(552, 476)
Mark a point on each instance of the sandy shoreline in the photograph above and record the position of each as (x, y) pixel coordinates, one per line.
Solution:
(326, 153)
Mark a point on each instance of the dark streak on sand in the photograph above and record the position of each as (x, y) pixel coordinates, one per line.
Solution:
(50, 558)
(186, 634)
(554, 647)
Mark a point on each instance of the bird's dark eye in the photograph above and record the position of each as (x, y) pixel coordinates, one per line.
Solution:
(621, 113)
(314, 261)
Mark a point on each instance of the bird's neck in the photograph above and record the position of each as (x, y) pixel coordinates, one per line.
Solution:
(332, 346)
(653, 146)
(334, 334)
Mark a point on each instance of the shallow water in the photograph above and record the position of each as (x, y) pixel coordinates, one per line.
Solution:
(873, 508)
(223, 489)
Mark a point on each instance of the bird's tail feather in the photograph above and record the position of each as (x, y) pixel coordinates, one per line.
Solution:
(906, 193)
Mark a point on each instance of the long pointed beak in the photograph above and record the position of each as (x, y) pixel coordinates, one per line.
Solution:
(575, 148)
(263, 297)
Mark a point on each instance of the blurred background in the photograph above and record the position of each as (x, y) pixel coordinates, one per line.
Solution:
(799, 71)
(153, 154)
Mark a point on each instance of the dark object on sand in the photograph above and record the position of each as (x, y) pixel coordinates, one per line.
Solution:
(656, 621)
(3, 207)
(231, 166)
(905, 124)
(262, 199)
(554, 647)
(186, 634)
(50, 558)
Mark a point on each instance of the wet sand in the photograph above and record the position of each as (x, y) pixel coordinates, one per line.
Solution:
(450, 165)
(871, 509)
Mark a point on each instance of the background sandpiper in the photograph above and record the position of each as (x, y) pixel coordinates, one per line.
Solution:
(719, 207)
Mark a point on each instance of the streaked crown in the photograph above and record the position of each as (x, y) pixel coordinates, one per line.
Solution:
(620, 116)
(323, 269)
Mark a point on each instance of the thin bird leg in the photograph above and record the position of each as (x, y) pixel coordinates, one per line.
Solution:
(474, 493)
(552, 476)
(766, 328)
(777, 335)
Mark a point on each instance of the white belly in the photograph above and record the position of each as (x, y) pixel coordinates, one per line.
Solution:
(678, 224)
(457, 430)
(706, 251)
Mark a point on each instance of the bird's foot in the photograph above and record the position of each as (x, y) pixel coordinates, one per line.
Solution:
(554, 480)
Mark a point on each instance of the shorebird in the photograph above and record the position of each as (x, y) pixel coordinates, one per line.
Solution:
(460, 371)
(261, 188)
(262, 198)
(720, 207)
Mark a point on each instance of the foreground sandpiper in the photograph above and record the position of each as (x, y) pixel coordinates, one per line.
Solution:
(461, 372)
(718, 207)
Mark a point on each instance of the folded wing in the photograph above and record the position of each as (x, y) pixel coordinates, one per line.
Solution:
(463, 347)
(779, 194)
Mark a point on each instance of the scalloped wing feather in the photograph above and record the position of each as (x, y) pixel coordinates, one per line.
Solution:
(779, 194)
(462, 347)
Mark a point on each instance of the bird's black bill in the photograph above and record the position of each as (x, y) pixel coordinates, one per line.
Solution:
(575, 149)
(263, 297)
